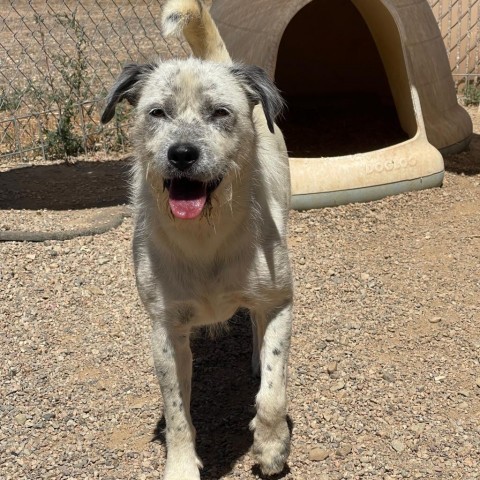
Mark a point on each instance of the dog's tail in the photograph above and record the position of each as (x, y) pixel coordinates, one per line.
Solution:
(193, 19)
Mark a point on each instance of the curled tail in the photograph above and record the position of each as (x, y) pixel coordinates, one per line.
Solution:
(193, 19)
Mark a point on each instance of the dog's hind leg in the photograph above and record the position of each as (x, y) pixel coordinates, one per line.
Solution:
(271, 444)
(173, 364)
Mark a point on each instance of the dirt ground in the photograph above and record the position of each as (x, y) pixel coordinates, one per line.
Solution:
(385, 361)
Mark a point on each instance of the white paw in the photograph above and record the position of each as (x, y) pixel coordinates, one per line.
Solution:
(182, 467)
(271, 445)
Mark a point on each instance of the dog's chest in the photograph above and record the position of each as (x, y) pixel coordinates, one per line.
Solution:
(215, 307)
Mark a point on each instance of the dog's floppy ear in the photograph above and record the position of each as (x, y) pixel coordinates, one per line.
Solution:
(260, 89)
(126, 87)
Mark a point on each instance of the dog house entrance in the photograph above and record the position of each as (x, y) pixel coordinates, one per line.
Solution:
(333, 79)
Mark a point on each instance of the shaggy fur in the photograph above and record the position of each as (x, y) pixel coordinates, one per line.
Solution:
(200, 271)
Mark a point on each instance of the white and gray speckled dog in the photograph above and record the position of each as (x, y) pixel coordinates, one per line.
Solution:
(211, 192)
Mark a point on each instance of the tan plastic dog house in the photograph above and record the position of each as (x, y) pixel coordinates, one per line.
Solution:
(371, 100)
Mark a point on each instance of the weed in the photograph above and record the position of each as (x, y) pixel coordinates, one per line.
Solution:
(471, 95)
(10, 101)
(63, 141)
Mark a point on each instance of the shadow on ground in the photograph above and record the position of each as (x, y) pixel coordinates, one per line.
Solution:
(105, 184)
(65, 187)
(223, 398)
(468, 162)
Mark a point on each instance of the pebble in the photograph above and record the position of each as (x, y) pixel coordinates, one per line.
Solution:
(435, 319)
(365, 277)
(478, 382)
(398, 446)
(388, 377)
(318, 454)
(419, 428)
(95, 290)
(343, 451)
(302, 261)
(337, 386)
(21, 418)
(331, 367)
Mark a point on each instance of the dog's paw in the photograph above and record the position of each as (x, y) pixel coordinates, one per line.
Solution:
(181, 467)
(176, 14)
(271, 445)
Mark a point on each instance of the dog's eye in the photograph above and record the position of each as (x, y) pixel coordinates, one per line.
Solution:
(220, 112)
(157, 113)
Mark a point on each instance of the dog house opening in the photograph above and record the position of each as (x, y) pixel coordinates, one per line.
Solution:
(331, 74)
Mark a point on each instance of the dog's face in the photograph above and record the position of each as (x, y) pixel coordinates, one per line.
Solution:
(194, 130)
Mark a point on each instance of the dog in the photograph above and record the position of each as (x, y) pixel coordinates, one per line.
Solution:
(210, 192)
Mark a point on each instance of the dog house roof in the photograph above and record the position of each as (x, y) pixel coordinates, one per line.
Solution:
(409, 43)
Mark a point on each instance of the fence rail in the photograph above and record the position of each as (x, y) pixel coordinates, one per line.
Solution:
(57, 59)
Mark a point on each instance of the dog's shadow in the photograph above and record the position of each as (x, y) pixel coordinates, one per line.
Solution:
(223, 397)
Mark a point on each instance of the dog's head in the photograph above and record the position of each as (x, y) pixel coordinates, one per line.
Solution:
(194, 128)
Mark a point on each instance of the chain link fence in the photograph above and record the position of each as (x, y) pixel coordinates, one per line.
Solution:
(58, 58)
(459, 22)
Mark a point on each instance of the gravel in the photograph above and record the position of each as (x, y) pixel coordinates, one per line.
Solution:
(384, 371)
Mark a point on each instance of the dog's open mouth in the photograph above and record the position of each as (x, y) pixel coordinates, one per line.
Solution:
(187, 198)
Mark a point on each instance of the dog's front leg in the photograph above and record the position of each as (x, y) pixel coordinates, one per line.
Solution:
(173, 365)
(271, 444)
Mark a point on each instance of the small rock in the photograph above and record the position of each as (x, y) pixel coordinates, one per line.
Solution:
(340, 385)
(95, 290)
(322, 346)
(398, 446)
(21, 418)
(302, 261)
(419, 428)
(343, 451)
(31, 256)
(478, 382)
(388, 377)
(331, 367)
(318, 454)
(327, 416)
(435, 319)
(331, 273)
(365, 277)
(439, 378)
(103, 260)
(464, 393)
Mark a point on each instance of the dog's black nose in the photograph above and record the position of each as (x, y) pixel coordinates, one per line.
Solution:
(183, 155)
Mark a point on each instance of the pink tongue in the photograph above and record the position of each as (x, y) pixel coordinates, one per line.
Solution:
(187, 198)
